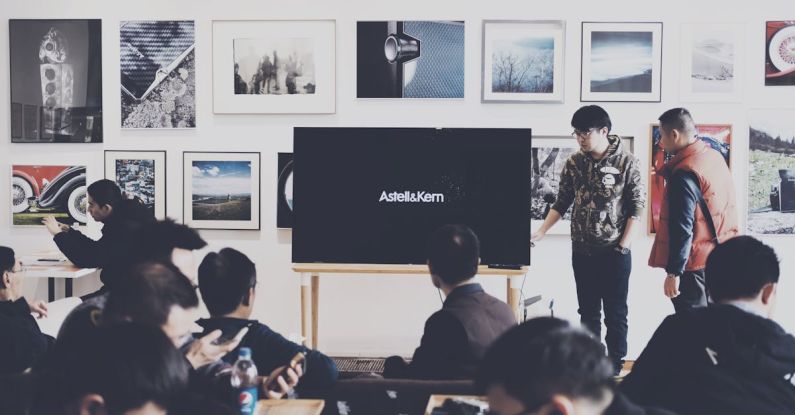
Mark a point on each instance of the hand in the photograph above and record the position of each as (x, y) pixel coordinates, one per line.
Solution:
(671, 286)
(283, 379)
(537, 236)
(39, 307)
(53, 226)
(204, 350)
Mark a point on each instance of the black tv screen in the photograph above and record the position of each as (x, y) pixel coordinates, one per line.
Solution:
(373, 195)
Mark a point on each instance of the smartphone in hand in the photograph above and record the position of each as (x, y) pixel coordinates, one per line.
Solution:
(299, 360)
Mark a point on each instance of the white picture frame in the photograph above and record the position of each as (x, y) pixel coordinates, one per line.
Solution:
(621, 62)
(311, 43)
(220, 192)
(526, 44)
(712, 62)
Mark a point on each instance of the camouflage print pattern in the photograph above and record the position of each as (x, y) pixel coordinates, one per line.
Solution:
(605, 193)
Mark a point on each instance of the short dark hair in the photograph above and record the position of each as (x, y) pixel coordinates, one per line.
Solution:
(591, 116)
(128, 364)
(225, 279)
(155, 241)
(543, 357)
(678, 119)
(739, 268)
(105, 192)
(453, 253)
(147, 292)
(7, 261)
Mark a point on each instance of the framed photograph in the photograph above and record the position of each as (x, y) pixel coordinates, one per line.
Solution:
(274, 67)
(221, 190)
(284, 192)
(779, 62)
(717, 136)
(548, 157)
(39, 191)
(158, 74)
(56, 80)
(771, 173)
(621, 62)
(713, 61)
(410, 59)
(140, 175)
(523, 61)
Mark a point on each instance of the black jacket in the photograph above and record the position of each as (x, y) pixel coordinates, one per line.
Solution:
(270, 350)
(113, 250)
(716, 360)
(22, 343)
(456, 337)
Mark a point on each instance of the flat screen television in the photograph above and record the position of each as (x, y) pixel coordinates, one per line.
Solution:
(374, 195)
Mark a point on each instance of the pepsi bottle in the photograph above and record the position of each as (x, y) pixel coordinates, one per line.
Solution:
(244, 380)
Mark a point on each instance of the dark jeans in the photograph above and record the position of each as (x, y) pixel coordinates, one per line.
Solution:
(691, 291)
(602, 277)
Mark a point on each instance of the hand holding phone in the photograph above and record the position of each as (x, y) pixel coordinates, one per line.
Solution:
(284, 378)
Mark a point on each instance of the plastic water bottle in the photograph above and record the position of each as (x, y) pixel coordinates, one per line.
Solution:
(244, 380)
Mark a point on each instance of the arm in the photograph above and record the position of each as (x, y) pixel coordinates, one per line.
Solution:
(634, 198)
(683, 194)
(271, 350)
(82, 250)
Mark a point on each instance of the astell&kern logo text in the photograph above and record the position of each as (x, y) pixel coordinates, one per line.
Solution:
(411, 197)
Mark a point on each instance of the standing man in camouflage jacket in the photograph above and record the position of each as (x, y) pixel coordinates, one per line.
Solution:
(603, 183)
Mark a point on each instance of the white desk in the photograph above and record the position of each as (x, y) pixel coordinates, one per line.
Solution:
(63, 270)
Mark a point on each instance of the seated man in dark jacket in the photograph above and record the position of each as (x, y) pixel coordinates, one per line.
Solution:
(227, 281)
(730, 357)
(457, 336)
(21, 341)
(545, 366)
(120, 218)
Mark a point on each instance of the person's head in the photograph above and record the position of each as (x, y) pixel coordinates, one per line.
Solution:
(168, 241)
(126, 369)
(103, 196)
(743, 268)
(677, 129)
(227, 282)
(545, 366)
(453, 255)
(157, 294)
(591, 125)
(11, 278)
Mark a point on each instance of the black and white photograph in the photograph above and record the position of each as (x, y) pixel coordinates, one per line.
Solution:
(523, 61)
(221, 190)
(549, 155)
(158, 74)
(274, 67)
(284, 191)
(410, 59)
(771, 173)
(712, 58)
(141, 175)
(56, 80)
(621, 61)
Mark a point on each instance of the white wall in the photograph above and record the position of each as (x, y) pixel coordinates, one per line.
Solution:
(384, 314)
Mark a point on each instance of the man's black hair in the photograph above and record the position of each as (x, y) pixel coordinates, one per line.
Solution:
(739, 268)
(147, 293)
(156, 241)
(591, 116)
(225, 279)
(128, 364)
(7, 262)
(453, 253)
(544, 357)
(678, 119)
(105, 192)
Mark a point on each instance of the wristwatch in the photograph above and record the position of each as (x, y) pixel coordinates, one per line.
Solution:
(622, 250)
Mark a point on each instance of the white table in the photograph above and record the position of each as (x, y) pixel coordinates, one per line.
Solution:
(63, 270)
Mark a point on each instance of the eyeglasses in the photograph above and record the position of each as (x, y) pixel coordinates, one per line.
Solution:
(584, 134)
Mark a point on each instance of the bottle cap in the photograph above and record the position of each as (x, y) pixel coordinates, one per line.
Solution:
(245, 353)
